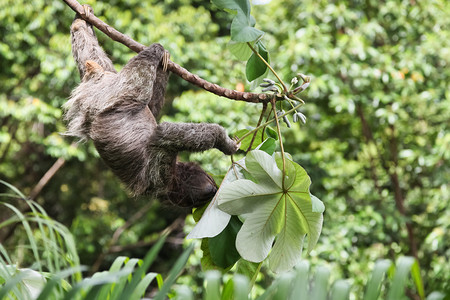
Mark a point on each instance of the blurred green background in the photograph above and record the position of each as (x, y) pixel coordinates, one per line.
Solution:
(376, 143)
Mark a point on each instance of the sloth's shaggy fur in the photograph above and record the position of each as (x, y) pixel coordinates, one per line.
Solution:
(117, 112)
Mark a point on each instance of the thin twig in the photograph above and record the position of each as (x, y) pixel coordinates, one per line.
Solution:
(7, 233)
(46, 178)
(281, 143)
(257, 125)
(173, 67)
(398, 193)
(267, 123)
(116, 235)
(268, 66)
(141, 244)
(113, 248)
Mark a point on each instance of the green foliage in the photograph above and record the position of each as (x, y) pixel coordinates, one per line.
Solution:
(262, 139)
(255, 67)
(242, 27)
(49, 249)
(378, 105)
(128, 278)
(260, 179)
(37, 77)
(222, 247)
(240, 50)
(272, 204)
(273, 207)
(242, 34)
(302, 283)
(54, 258)
(377, 109)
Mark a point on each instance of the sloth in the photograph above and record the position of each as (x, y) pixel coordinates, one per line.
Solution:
(118, 111)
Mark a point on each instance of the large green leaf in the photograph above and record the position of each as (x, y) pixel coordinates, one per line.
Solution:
(214, 220)
(274, 210)
(237, 5)
(242, 29)
(255, 66)
(263, 140)
(264, 168)
(206, 260)
(222, 247)
(268, 146)
(240, 50)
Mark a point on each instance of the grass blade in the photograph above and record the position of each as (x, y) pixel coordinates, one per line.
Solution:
(374, 285)
(140, 289)
(285, 282)
(138, 275)
(11, 284)
(179, 265)
(55, 280)
(320, 284)
(403, 268)
(301, 281)
(340, 290)
(241, 287)
(212, 285)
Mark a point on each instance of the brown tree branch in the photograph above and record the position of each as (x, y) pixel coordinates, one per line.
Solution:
(393, 176)
(115, 237)
(46, 178)
(180, 71)
(7, 233)
(368, 136)
(398, 194)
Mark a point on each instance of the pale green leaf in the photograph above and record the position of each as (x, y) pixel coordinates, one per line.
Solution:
(215, 220)
(311, 222)
(264, 168)
(255, 66)
(212, 222)
(256, 236)
(317, 204)
(242, 30)
(237, 5)
(32, 281)
(240, 50)
(286, 252)
(243, 196)
(271, 213)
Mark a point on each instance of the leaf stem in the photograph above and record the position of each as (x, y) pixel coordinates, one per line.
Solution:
(281, 141)
(257, 125)
(267, 123)
(296, 98)
(268, 65)
(253, 280)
